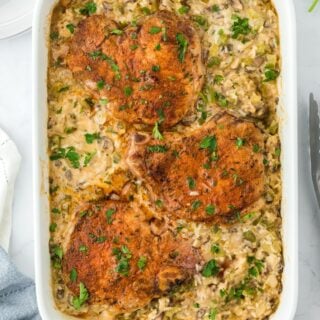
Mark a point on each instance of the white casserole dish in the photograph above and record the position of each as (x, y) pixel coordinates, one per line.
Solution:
(288, 133)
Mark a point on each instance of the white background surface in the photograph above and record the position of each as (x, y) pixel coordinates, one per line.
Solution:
(15, 119)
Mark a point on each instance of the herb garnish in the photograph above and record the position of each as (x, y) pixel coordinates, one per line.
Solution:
(109, 214)
(73, 275)
(127, 91)
(70, 27)
(196, 205)
(240, 142)
(157, 47)
(201, 21)
(159, 203)
(212, 314)
(183, 9)
(270, 74)
(53, 227)
(142, 263)
(154, 30)
(155, 68)
(210, 269)
(156, 132)
(89, 8)
(67, 153)
(215, 8)
(91, 137)
(77, 302)
(240, 27)
(182, 46)
(213, 61)
(210, 209)
(191, 183)
(88, 157)
(123, 256)
(209, 142)
(100, 84)
(117, 32)
(157, 148)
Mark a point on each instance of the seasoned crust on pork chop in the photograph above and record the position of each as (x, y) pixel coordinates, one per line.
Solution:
(150, 72)
(209, 174)
(120, 261)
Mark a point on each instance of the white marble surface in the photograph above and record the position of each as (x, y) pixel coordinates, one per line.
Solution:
(15, 118)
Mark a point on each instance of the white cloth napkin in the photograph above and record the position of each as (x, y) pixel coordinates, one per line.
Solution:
(9, 166)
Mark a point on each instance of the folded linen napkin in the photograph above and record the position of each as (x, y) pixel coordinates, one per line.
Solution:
(17, 293)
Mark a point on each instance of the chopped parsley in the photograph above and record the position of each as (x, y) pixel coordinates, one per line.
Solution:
(89, 9)
(70, 27)
(54, 35)
(183, 9)
(77, 302)
(201, 21)
(73, 275)
(127, 91)
(100, 84)
(196, 205)
(117, 32)
(154, 30)
(159, 203)
(210, 209)
(155, 68)
(157, 47)
(91, 137)
(182, 46)
(123, 256)
(240, 27)
(156, 132)
(109, 214)
(210, 269)
(249, 236)
(64, 89)
(53, 227)
(215, 248)
(213, 61)
(134, 47)
(270, 74)
(221, 99)
(58, 252)
(215, 8)
(67, 153)
(240, 142)
(212, 314)
(55, 211)
(104, 101)
(146, 11)
(142, 263)
(88, 157)
(255, 148)
(191, 183)
(218, 79)
(157, 148)
(209, 142)
(83, 248)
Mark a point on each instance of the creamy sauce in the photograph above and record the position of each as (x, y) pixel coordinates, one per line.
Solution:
(87, 147)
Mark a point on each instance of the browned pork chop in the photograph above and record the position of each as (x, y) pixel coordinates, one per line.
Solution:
(114, 253)
(209, 174)
(150, 72)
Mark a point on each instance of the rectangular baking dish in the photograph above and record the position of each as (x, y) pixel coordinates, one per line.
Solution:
(288, 134)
